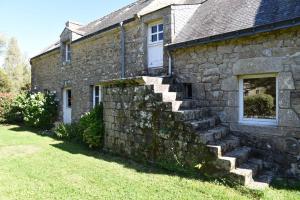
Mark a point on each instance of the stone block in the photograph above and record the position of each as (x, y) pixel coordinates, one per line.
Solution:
(230, 84)
(233, 99)
(258, 65)
(284, 100)
(287, 117)
(285, 81)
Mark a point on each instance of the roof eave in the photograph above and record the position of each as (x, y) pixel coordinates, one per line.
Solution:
(237, 34)
(88, 36)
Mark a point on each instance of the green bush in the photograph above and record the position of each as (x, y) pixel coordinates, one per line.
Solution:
(66, 131)
(5, 104)
(89, 129)
(261, 105)
(37, 110)
(93, 127)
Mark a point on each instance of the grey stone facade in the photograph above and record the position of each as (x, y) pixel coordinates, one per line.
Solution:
(213, 69)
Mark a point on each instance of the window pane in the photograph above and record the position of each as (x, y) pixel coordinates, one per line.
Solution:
(154, 29)
(97, 91)
(160, 27)
(97, 100)
(154, 38)
(69, 96)
(260, 98)
(161, 36)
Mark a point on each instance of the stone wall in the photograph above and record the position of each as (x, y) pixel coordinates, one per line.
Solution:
(96, 59)
(214, 71)
(140, 126)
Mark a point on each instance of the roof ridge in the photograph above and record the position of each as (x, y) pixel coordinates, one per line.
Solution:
(124, 7)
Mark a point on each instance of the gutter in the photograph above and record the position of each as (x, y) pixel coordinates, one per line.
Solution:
(122, 50)
(237, 34)
(170, 63)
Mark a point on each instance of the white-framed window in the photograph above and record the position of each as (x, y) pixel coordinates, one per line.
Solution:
(258, 99)
(69, 98)
(97, 95)
(156, 33)
(67, 52)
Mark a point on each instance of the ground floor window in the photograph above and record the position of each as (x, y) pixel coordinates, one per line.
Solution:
(97, 95)
(69, 98)
(258, 99)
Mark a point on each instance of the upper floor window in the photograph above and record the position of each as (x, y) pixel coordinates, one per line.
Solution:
(156, 33)
(67, 52)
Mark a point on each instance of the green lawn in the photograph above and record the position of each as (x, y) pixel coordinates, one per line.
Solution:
(37, 167)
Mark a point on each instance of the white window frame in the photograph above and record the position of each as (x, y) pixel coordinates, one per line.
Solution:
(94, 95)
(253, 121)
(150, 34)
(67, 51)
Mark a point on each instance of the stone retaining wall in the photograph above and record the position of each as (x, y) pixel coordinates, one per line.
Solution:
(140, 126)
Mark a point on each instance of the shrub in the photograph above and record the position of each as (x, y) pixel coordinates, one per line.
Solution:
(14, 112)
(66, 131)
(35, 110)
(89, 129)
(259, 105)
(93, 127)
(5, 104)
(39, 110)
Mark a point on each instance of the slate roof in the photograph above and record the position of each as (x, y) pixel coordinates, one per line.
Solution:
(139, 7)
(213, 17)
(216, 17)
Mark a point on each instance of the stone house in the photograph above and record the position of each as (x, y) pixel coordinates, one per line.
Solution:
(174, 73)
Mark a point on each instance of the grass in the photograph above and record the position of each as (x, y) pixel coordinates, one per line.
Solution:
(38, 167)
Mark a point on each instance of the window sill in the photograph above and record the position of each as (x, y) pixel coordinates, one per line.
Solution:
(66, 63)
(259, 123)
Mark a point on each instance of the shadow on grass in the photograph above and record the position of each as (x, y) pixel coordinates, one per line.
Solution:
(286, 184)
(146, 167)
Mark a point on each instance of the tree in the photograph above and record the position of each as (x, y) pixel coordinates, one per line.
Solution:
(2, 43)
(16, 67)
(5, 84)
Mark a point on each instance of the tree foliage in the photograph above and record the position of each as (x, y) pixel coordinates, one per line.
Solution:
(16, 67)
(5, 83)
(2, 43)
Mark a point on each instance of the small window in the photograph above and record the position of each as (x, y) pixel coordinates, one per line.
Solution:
(258, 99)
(69, 98)
(188, 91)
(67, 53)
(97, 95)
(156, 33)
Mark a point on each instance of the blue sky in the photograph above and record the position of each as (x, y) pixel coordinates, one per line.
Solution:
(38, 23)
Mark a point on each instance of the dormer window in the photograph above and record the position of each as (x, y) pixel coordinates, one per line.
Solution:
(67, 52)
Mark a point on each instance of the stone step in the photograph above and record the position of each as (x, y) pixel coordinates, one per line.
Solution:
(262, 180)
(241, 154)
(187, 104)
(188, 115)
(233, 159)
(213, 134)
(224, 145)
(242, 176)
(161, 88)
(204, 124)
(172, 96)
(151, 80)
(252, 165)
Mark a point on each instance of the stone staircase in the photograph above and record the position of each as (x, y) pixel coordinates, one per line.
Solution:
(232, 159)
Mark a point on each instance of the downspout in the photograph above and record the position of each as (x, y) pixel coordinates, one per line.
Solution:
(122, 51)
(170, 63)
